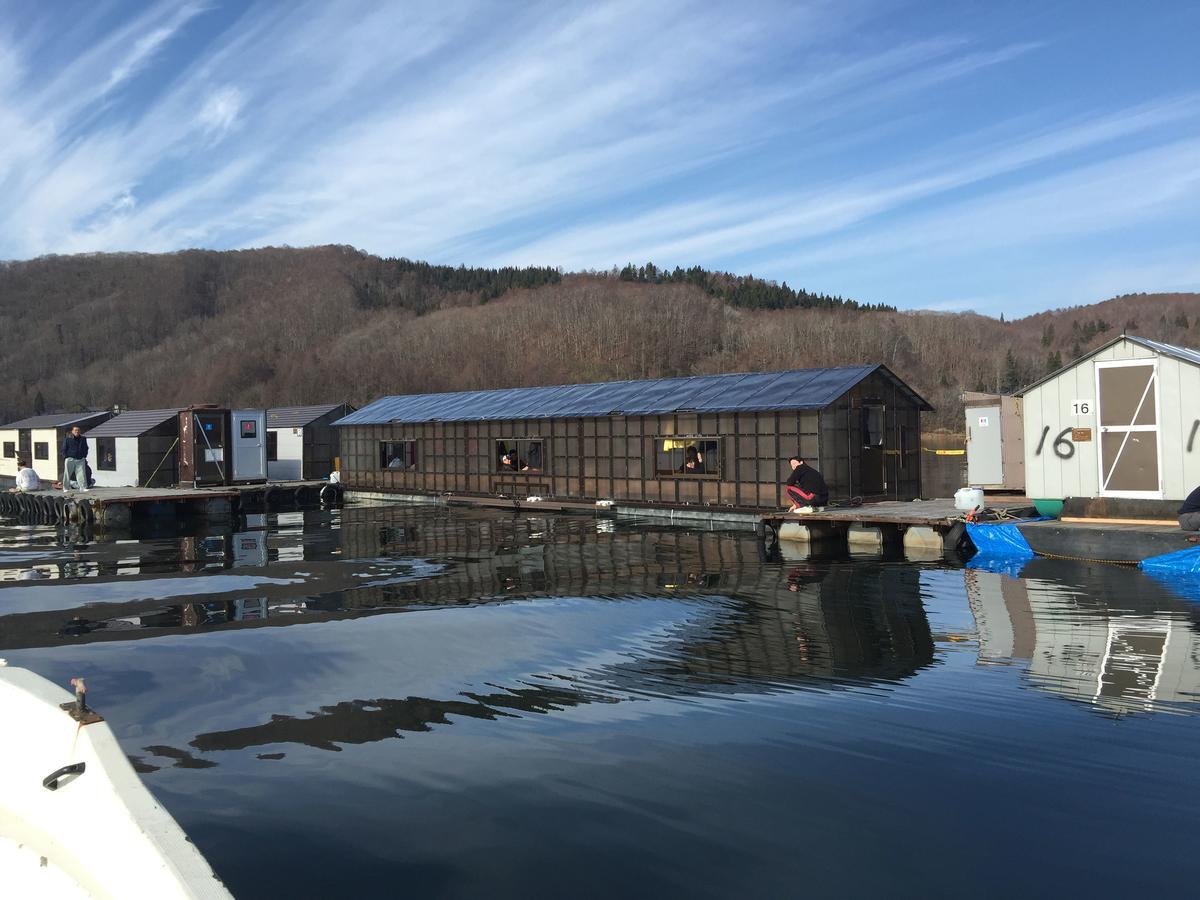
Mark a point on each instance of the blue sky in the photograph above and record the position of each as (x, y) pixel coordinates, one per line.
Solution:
(1003, 157)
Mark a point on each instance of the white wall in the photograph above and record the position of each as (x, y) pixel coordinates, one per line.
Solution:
(1048, 410)
(47, 469)
(126, 474)
(8, 467)
(290, 463)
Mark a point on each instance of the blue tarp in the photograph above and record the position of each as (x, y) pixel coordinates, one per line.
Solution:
(1180, 561)
(999, 539)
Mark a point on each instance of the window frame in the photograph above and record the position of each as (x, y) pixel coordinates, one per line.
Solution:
(101, 443)
(541, 470)
(676, 475)
(10, 449)
(416, 456)
(44, 451)
(272, 445)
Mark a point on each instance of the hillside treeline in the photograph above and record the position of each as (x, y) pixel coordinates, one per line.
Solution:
(282, 326)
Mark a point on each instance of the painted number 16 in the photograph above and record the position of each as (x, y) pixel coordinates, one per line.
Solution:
(1081, 407)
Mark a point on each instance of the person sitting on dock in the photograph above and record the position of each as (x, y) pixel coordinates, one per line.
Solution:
(805, 488)
(1189, 513)
(74, 452)
(27, 479)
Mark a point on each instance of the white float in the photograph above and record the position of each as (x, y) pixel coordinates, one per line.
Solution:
(99, 832)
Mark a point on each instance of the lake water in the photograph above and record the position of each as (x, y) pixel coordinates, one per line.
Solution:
(386, 701)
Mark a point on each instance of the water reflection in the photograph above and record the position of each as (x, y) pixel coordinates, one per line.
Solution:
(1111, 637)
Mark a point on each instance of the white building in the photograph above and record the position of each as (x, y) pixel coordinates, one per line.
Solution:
(38, 440)
(301, 442)
(1122, 421)
(138, 448)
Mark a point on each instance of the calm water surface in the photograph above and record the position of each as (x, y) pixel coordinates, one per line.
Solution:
(391, 701)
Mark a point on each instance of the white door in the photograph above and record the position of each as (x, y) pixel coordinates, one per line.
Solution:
(1130, 452)
(985, 464)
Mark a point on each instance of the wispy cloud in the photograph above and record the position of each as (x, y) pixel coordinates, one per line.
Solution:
(787, 138)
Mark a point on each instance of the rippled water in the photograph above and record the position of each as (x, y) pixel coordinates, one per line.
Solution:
(380, 701)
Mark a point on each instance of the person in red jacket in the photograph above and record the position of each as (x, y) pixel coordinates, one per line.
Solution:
(805, 487)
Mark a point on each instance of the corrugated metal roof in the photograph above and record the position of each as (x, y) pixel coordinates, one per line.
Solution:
(55, 420)
(133, 422)
(298, 416)
(758, 391)
(1181, 353)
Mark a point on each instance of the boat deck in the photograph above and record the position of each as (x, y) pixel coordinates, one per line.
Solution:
(1104, 541)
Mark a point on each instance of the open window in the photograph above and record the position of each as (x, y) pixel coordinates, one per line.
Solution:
(872, 425)
(106, 454)
(398, 455)
(41, 450)
(526, 455)
(687, 457)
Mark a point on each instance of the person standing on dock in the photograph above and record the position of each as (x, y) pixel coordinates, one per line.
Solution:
(27, 479)
(74, 452)
(805, 488)
(1189, 513)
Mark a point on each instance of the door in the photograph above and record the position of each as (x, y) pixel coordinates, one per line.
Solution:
(985, 464)
(208, 447)
(249, 445)
(1130, 453)
(871, 456)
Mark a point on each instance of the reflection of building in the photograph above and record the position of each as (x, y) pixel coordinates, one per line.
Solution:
(1123, 654)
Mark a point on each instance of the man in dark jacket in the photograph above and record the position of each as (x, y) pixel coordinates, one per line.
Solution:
(1189, 513)
(74, 453)
(805, 487)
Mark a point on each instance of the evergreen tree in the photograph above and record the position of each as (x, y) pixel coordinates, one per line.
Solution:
(1053, 361)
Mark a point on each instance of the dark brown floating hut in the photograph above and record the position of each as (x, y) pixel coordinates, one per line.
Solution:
(630, 441)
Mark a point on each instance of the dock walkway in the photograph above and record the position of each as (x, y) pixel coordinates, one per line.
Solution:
(115, 507)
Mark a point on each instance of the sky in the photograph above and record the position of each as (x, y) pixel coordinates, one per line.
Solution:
(995, 156)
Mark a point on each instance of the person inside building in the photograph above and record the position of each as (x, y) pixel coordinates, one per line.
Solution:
(74, 453)
(510, 462)
(805, 488)
(693, 461)
(1189, 513)
(27, 479)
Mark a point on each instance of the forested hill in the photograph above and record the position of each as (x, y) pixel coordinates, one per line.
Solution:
(287, 326)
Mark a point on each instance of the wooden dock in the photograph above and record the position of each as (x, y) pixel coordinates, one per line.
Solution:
(111, 507)
(916, 524)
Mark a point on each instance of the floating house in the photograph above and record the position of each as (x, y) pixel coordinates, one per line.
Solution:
(1121, 422)
(37, 441)
(631, 441)
(222, 446)
(138, 448)
(302, 443)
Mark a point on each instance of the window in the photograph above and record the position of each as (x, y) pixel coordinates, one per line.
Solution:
(272, 446)
(521, 455)
(10, 449)
(687, 457)
(106, 454)
(249, 428)
(398, 455)
(41, 450)
(872, 426)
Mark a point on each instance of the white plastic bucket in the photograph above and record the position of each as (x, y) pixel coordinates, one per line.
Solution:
(968, 498)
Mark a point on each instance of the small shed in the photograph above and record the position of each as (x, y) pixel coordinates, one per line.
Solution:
(1121, 421)
(37, 440)
(302, 443)
(995, 441)
(631, 441)
(138, 448)
(222, 446)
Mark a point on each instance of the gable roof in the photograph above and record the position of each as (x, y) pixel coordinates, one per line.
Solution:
(1184, 354)
(56, 420)
(757, 391)
(133, 423)
(299, 416)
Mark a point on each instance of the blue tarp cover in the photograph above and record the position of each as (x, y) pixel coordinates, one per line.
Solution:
(1179, 561)
(999, 539)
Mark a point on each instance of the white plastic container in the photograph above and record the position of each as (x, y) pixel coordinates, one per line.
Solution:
(968, 498)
